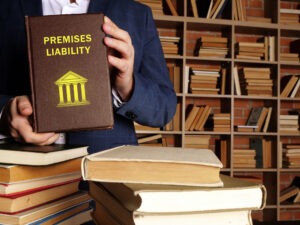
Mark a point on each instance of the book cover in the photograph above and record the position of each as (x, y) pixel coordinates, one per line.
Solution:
(27, 154)
(15, 173)
(150, 198)
(32, 185)
(30, 200)
(148, 164)
(70, 82)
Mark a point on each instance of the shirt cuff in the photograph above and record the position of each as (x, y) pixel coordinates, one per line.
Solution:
(117, 102)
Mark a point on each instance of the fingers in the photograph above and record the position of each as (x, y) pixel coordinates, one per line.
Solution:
(20, 127)
(119, 41)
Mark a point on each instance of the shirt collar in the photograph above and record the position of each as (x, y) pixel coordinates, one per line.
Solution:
(56, 7)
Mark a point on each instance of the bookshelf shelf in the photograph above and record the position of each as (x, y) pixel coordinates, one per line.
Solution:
(262, 18)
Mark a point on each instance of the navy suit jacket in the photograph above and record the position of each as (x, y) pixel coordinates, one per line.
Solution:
(153, 101)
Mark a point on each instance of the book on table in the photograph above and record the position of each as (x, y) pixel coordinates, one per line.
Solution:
(150, 198)
(27, 154)
(145, 204)
(103, 216)
(70, 81)
(148, 164)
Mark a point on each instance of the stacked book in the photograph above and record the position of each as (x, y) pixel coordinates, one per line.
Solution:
(289, 57)
(212, 46)
(244, 158)
(291, 155)
(170, 45)
(262, 49)
(197, 116)
(39, 184)
(289, 16)
(221, 122)
(155, 5)
(289, 86)
(197, 141)
(289, 123)
(134, 185)
(256, 81)
(204, 80)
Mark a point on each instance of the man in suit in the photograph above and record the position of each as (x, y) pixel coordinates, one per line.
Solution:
(142, 90)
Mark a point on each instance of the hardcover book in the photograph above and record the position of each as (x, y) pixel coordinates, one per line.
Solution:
(155, 165)
(15, 173)
(150, 198)
(70, 82)
(27, 154)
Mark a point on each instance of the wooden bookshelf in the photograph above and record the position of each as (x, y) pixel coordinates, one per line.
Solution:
(263, 25)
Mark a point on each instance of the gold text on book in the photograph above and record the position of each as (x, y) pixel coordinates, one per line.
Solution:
(71, 89)
(64, 45)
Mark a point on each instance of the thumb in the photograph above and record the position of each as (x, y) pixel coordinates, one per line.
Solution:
(24, 106)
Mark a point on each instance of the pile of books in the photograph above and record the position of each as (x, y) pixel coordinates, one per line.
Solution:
(197, 141)
(289, 57)
(291, 155)
(134, 185)
(289, 123)
(212, 46)
(40, 184)
(256, 81)
(244, 158)
(289, 16)
(262, 49)
(170, 45)
(204, 80)
(221, 122)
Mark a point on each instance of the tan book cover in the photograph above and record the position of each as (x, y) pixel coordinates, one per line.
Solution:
(15, 173)
(27, 201)
(156, 165)
(70, 82)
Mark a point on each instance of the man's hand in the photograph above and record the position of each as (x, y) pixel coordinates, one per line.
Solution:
(120, 57)
(18, 116)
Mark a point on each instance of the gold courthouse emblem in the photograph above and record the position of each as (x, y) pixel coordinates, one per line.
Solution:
(71, 88)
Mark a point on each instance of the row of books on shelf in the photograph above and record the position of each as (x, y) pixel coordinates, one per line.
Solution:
(262, 49)
(129, 185)
(212, 9)
(249, 81)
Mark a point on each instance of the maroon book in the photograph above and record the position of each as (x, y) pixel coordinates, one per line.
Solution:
(70, 82)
